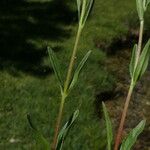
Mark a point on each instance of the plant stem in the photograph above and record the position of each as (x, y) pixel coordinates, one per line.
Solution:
(72, 60)
(58, 122)
(120, 129)
(139, 42)
(66, 85)
(126, 105)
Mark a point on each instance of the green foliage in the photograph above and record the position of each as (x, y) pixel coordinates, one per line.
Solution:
(40, 95)
(78, 70)
(132, 137)
(55, 66)
(141, 7)
(145, 4)
(84, 7)
(133, 59)
(64, 131)
(142, 63)
(42, 143)
(79, 8)
(108, 127)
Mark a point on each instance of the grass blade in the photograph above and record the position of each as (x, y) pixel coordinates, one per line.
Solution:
(133, 59)
(143, 62)
(55, 66)
(78, 70)
(41, 141)
(108, 127)
(64, 131)
(132, 137)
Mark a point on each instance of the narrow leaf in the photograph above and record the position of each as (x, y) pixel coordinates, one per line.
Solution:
(88, 9)
(147, 3)
(83, 10)
(55, 66)
(41, 141)
(78, 69)
(144, 4)
(140, 9)
(143, 62)
(133, 59)
(79, 8)
(108, 127)
(64, 131)
(132, 137)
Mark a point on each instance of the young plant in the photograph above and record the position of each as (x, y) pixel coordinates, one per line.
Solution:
(84, 7)
(138, 65)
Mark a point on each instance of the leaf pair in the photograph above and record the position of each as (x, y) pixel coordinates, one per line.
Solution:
(137, 71)
(84, 8)
(41, 141)
(64, 131)
(141, 7)
(55, 66)
(130, 140)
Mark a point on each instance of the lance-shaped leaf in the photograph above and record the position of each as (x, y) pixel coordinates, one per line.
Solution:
(108, 127)
(55, 66)
(140, 9)
(41, 141)
(147, 3)
(88, 9)
(86, 6)
(65, 130)
(83, 11)
(133, 59)
(78, 70)
(144, 4)
(143, 62)
(79, 8)
(132, 137)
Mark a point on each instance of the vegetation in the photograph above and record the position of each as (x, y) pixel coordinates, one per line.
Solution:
(23, 92)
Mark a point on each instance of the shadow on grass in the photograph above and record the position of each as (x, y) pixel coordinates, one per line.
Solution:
(22, 22)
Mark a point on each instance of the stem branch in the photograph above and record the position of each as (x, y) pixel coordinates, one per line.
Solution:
(126, 105)
(66, 85)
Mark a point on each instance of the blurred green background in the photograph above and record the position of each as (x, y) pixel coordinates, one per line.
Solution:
(27, 82)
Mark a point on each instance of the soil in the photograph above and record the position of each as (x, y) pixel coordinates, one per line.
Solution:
(118, 64)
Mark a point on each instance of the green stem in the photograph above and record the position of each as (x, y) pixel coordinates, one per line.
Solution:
(139, 42)
(72, 60)
(58, 122)
(66, 85)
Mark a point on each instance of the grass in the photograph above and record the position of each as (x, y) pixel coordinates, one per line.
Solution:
(22, 91)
